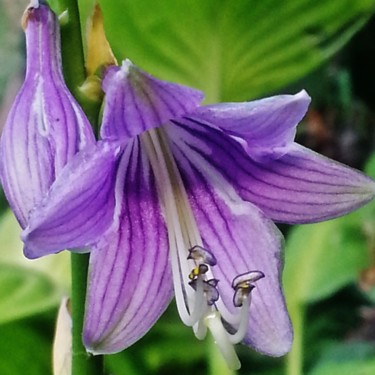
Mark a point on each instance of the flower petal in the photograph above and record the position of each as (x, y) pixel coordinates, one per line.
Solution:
(300, 187)
(129, 277)
(242, 240)
(135, 101)
(268, 126)
(79, 206)
(45, 126)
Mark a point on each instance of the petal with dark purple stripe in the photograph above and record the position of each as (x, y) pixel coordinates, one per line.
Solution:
(268, 126)
(129, 277)
(45, 126)
(79, 206)
(135, 102)
(299, 187)
(242, 240)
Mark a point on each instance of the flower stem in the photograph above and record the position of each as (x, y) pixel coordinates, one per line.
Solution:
(73, 57)
(82, 363)
(294, 364)
(74, 73)
(71, 46)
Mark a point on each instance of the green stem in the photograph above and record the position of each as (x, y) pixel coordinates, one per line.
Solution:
(74, 73)
(295, 357)
(82, 363)
(71, 46)
(73, 57)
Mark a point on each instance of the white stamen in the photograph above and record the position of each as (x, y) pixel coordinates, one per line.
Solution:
(200, 329)
(221, 338)
(199, 302)
(244, 322)
(195, 286)
(190, 303)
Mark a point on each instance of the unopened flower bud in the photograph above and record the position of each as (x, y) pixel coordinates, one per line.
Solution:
(45, 126)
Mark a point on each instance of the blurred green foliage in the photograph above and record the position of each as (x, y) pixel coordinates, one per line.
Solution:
(321, 258)
(232, 50)
(24, 348)
(347, 359)
(10, 43)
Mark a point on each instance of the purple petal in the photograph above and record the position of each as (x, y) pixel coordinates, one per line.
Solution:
(129, 277)
(135, 102)
(45, 126)
(300, 187)
(79, 206)
(242, 240)
(305, 187)
(268, 126)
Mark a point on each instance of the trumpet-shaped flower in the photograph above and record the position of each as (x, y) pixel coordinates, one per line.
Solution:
(45, 126)
(191, 195)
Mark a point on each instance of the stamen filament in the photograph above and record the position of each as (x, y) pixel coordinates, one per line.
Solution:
(233, 319)
(197, 297)
(244, 322)
(200, 329)
(213, 322)
(190, 303)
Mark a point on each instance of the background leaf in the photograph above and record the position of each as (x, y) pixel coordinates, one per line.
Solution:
(232, 50)
(24, 350)
(347, 359)
(10, 41)
(321, 258)
(24, 293)
(28, 287)
(56, 267)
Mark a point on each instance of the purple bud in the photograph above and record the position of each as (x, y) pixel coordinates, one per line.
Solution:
(45, 126)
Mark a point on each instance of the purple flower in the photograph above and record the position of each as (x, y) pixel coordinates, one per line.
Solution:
(186, 195)
(45, 126)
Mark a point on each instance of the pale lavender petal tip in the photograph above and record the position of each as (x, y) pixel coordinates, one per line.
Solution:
(135, 102)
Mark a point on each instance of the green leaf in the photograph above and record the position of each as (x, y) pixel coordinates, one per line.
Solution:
(347, 359)
(232, 50)
(55, 267)
(10, 41)
(370, 166)
(321, 258)
(24, 293)
(121, 364)
(28, 287)
(24, 350)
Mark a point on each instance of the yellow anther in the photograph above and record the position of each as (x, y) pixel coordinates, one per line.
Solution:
(244, 285)
(195, 272)
(200, 270)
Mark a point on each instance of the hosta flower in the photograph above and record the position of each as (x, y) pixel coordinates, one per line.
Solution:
(186, 195)
(45, 126)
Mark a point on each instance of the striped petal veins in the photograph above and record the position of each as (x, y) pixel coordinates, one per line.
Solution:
(45, 126)
(197, 291)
